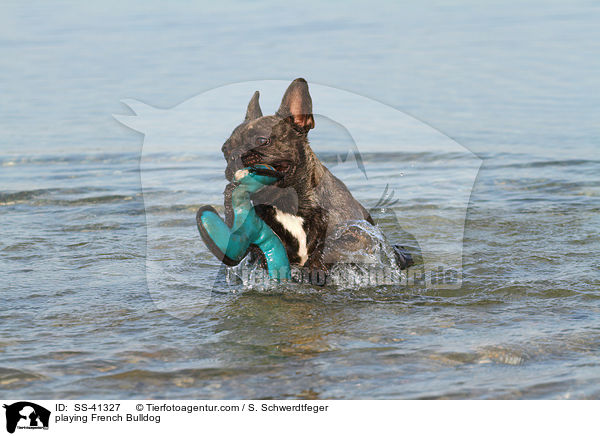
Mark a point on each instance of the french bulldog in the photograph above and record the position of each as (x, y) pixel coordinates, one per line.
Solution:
(308, 206)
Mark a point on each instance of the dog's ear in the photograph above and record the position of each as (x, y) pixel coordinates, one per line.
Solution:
(296, 105)
(253, 111)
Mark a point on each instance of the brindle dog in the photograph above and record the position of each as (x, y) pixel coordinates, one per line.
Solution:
(309, 204)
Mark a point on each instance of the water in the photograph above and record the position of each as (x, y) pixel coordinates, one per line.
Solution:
(512, 83)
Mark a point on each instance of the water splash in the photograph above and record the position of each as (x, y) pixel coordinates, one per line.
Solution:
(366, 267)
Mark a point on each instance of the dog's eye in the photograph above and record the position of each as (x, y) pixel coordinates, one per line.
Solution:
(261, 140)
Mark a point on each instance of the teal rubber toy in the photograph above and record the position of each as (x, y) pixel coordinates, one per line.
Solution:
(231, 244)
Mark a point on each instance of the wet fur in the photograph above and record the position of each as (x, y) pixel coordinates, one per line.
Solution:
(308, 190)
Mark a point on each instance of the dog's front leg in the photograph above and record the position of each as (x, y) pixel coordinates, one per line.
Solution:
(316, 237)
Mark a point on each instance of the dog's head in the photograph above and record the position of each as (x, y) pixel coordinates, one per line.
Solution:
(278, 140)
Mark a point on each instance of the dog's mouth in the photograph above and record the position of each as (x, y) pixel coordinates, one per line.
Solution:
(253, 158)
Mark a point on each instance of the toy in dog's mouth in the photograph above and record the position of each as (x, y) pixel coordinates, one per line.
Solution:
(252, 158)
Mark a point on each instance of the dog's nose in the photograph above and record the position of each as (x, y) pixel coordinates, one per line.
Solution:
(226, 150)
(234, 162)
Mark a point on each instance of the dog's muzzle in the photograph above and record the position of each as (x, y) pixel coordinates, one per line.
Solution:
(251, 158)
(237, 161)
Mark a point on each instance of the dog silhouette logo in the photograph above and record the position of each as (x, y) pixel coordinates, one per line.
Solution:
(26, 415)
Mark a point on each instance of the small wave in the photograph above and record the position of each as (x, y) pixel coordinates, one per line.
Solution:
(333, 158)
(34, 199)
(9, 198)
(182, 377)
(49, 196)
(59, 159)
(11, 378)
(102, 199)
(543, 164)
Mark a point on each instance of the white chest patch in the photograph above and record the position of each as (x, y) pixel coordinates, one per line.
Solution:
(293, 224)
